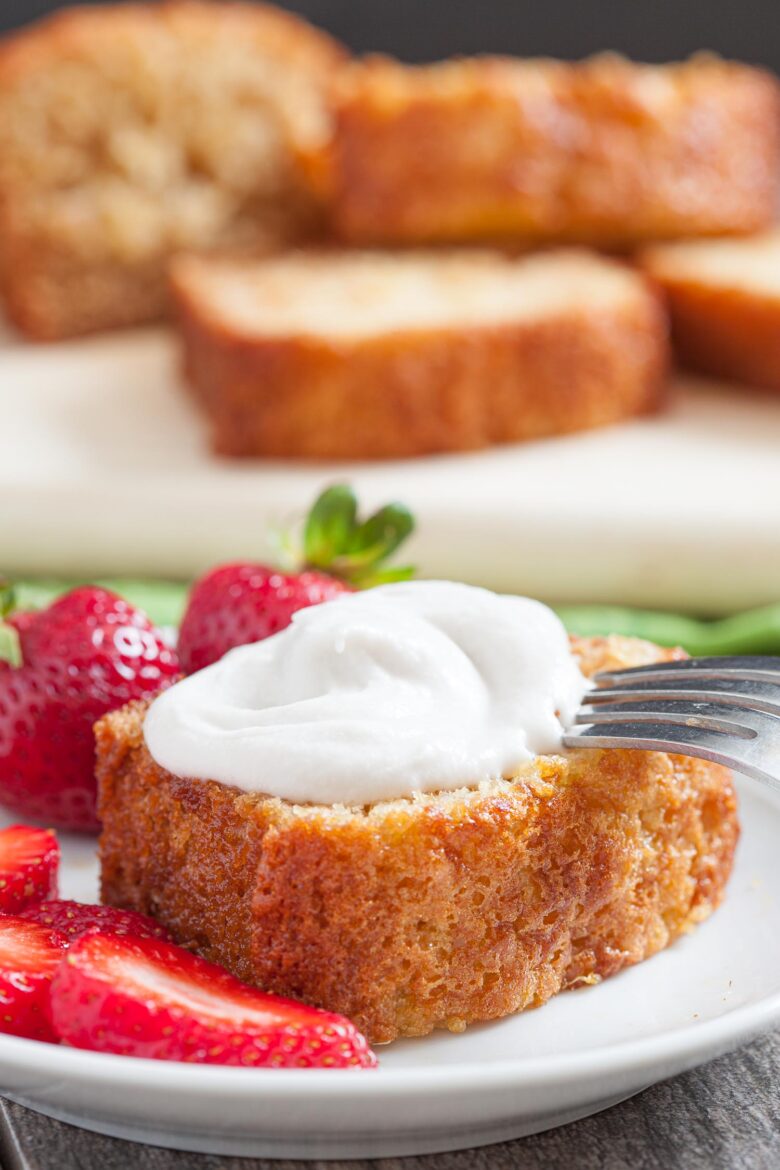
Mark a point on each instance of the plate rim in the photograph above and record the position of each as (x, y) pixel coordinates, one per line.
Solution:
(717, 1034)
(677, 1047)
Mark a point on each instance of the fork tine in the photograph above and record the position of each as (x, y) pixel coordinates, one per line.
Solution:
(743, 668)
(680, 739)
(728, 719)
(722, 709)
(707, 716)
(746, 694)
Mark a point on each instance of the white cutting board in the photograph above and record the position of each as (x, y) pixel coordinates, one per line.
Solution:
(104, 469)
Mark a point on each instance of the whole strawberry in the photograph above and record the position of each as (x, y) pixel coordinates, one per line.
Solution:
(244, 602)
(240, 603)
(60, 670)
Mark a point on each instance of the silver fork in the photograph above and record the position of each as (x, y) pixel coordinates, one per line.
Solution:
(721, 709)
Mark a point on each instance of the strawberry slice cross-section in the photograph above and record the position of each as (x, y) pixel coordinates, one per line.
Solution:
(149, 998)
(29, 957)
(29, 860)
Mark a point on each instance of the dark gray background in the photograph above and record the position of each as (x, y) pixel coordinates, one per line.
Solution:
(652, 30)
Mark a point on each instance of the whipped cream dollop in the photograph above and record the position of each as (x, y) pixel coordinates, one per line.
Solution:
(413, 687)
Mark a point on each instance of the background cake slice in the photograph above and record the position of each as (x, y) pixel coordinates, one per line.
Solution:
(604, 150)
(128, 132)
(428, 912)
(724, 300)
(367, 354)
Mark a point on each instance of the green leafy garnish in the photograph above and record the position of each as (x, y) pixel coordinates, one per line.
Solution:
(330, 525)
(336, 541)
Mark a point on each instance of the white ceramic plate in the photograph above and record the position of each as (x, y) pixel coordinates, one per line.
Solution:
(583, 1051)
(108, 469)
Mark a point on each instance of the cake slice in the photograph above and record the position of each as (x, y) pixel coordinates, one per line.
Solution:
(368, 354)
(431, 911)
(604, 150)
(724, 299)
(129, 132)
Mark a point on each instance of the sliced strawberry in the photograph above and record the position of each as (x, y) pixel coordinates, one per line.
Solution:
(29, 957)
(69, 920)
(29, 860)
(143, 997)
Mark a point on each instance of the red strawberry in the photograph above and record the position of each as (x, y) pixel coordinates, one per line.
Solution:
(64, 667)
(143, 997)
(241, 603)
(69, 920)
(245, 602)
(22, 620)
(29, 860)
(29, 957)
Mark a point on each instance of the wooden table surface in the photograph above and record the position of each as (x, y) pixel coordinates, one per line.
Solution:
(724, 1116)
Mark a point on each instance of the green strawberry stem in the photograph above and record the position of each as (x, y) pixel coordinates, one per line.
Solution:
(10, 645)
(337, 542)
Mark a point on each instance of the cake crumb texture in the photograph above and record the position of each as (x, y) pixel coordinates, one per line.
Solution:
(603, 150)
(430, 912)
(339, 354)
(131, 132)
(724, 301)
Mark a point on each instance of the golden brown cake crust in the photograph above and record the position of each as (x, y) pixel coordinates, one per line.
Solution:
(129, 132)
(418, 391)
(434, 912)
(601, 151)
(720, 329)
